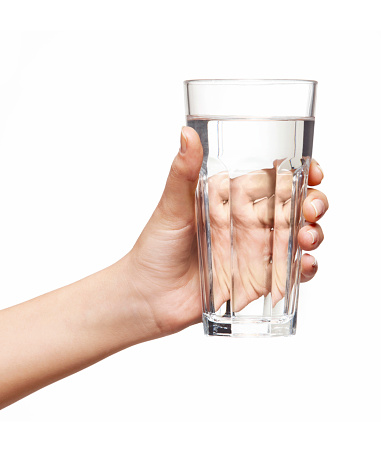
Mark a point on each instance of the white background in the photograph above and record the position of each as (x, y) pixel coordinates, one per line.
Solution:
(89, 124)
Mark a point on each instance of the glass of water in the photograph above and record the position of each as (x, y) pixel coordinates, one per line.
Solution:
(257, 139)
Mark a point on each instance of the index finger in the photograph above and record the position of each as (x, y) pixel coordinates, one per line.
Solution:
(315, 175)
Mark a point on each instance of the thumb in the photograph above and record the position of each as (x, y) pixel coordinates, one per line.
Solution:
(177, 202)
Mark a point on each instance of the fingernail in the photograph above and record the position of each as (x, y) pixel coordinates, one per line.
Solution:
(318, 205)
(183, 142)
(310, 260)
(319, 168)
(314, 236)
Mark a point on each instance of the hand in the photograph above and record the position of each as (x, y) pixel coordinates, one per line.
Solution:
(154, 290)
(164, 260)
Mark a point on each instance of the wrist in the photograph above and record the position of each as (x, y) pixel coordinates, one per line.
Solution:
(125, 312)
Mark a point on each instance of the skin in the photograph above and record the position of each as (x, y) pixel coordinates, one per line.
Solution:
(151, 292)
(258, 204)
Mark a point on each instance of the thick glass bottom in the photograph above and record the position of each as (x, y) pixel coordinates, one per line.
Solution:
(249, 326)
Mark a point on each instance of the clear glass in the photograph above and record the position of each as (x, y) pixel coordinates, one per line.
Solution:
(257, 139)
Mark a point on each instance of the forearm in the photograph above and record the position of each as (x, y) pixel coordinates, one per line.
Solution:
(64, 331)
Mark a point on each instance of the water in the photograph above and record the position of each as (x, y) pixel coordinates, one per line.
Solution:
(251, 187)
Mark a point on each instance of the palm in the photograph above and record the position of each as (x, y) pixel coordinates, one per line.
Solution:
(261, 218)
(167, 263)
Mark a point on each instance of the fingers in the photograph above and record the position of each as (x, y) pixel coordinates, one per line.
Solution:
(177, 201)
(315, 205)
(310, 237)
(309, 267)
(315, 175)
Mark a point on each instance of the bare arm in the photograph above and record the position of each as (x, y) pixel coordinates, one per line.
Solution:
(59, 333)
(152, 292)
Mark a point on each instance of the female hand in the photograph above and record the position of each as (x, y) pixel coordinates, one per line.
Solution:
(165, 275)
(153, 291)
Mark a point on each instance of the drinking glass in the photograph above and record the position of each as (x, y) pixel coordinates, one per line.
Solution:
(257, 140)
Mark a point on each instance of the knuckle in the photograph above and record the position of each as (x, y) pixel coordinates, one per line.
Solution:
(175, 170)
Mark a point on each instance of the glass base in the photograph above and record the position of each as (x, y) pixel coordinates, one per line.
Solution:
(249, 326)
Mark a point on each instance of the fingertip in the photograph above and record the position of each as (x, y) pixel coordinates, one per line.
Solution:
(320, 169)
(191, 137)
(183, 141)
(309, 267)
(316, 174)
(191, 152)
(310, 237)
(315, 205)
(309, 262)
(177, 201)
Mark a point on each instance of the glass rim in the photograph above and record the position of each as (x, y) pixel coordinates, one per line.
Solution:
(243, 81)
